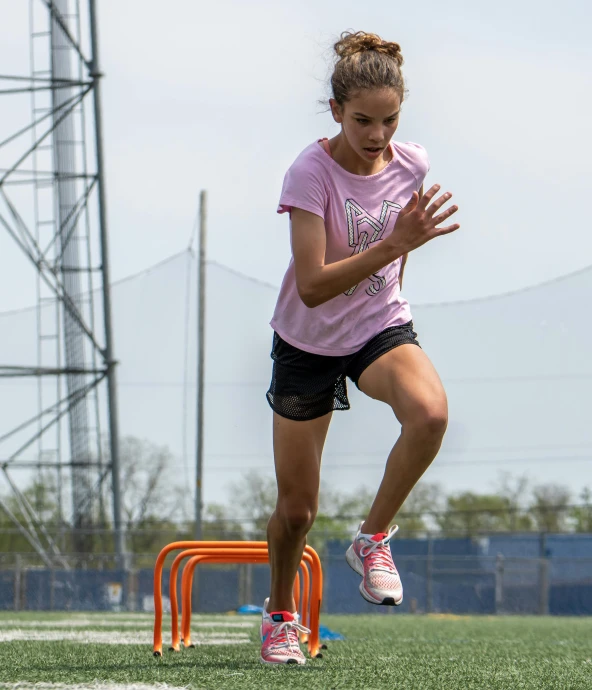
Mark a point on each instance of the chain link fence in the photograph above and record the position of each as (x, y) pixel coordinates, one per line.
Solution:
(455, 576)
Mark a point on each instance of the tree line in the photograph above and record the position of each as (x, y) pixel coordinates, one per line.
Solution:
(155, 508)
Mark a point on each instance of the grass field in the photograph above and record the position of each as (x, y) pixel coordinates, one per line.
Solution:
(391, 651)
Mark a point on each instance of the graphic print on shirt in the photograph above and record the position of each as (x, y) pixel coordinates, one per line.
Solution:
(364, 229)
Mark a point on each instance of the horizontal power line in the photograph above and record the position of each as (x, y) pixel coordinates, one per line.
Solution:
(528, 509)
(372, 453)
(377, 465)
(509, 510)
(246, 467)
(381, 453)
(466, 380)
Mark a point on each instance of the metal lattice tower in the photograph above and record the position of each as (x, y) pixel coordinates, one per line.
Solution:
(52, 203)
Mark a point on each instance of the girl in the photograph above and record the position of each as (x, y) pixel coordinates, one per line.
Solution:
(357, 208)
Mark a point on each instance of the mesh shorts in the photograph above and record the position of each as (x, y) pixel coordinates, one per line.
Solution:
(305, 386)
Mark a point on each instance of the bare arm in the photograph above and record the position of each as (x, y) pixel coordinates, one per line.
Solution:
(318, 282)
(403, 263)
(406, 256)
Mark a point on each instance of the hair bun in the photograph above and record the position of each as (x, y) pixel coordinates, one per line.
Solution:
(351, 43)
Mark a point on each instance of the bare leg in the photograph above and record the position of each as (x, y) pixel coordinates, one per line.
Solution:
(298, 447)
(405, 379)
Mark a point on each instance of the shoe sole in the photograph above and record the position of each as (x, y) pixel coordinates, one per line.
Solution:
(356, 565)
(289, 662)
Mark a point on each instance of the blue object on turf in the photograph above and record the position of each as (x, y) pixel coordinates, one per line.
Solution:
(326, 634)
(249, 609)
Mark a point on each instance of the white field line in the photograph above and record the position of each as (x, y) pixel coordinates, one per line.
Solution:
(119, 638)
(132, 615)
(136, 617)
(96, 685)
(90, 623)
(142, 615)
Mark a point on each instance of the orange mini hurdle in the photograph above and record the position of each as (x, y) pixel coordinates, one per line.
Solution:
(220, 548)
(187, 582)
(249, 556)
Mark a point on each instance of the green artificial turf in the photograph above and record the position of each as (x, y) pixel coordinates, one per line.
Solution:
(384, 651)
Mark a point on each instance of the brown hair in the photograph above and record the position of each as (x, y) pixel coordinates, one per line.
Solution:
(365, 61)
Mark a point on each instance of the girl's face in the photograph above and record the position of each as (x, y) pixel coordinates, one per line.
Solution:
(368, 121)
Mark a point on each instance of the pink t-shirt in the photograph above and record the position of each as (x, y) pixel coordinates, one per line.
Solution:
(358, 211)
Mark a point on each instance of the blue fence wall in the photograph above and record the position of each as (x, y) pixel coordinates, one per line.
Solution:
(526, 573)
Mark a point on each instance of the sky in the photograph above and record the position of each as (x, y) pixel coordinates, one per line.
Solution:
(223, 96)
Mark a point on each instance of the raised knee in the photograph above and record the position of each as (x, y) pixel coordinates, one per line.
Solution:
(298, 516)
(430, 420)
(436, 422)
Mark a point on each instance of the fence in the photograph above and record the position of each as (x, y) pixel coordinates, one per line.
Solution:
(503, 574)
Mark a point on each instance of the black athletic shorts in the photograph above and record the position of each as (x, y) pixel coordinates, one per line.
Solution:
(306, 386)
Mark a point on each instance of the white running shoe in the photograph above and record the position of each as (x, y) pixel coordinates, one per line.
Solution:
(370, 557)
(279, 637)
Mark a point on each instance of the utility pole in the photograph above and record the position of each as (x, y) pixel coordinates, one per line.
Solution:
(108, 352)
(201, 347)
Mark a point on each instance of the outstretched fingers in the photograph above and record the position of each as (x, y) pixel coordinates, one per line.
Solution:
(438, 203)
(444, 215)
(428, 196)
(448, 229)
(420, 224)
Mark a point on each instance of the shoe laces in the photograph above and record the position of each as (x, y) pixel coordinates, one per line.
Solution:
(378, 554)
(290, 630)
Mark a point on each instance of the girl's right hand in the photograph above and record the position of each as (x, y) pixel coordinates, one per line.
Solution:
(417, 222)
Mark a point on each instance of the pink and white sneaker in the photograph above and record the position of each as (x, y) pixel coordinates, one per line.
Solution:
(279, 637)
(370, 556)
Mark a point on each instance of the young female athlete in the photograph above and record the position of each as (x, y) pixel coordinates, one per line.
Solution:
(357, 209)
